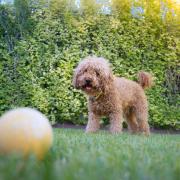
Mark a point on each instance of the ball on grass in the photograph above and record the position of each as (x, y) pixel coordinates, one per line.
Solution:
(25, 131)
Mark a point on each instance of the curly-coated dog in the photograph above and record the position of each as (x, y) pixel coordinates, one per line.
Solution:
(115, 97)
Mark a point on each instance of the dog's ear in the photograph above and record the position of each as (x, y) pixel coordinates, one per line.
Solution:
(107, 80)
(109, 76)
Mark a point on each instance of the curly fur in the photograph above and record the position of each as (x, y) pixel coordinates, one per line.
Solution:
(115, 97)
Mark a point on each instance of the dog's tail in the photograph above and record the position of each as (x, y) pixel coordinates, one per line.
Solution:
(145, 79)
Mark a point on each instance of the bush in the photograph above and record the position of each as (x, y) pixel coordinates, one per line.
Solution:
(46, 56)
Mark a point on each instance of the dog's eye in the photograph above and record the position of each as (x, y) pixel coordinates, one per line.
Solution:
(97, 73)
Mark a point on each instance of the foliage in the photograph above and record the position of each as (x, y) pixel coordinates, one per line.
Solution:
(42, 43)
(76, 155)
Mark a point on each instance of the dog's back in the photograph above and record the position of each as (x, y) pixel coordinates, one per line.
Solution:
(131, 91)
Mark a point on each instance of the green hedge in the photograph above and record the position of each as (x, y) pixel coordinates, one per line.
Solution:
(38, 71)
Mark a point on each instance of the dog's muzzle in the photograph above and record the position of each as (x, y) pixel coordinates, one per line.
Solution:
(87, 85)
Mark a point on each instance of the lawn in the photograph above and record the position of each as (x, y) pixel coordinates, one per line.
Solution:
(76, 155)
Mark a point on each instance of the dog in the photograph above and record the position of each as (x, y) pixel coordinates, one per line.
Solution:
(114, 97)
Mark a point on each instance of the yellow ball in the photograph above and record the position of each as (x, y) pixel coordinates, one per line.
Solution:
(25, 131)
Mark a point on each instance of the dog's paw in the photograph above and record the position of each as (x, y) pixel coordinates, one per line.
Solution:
(146, 133)
(91, 130)
(142, 133)
(115, 130)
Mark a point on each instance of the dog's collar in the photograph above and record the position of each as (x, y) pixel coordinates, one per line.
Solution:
(97, 96)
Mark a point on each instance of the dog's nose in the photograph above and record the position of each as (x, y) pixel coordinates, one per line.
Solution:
(88, 81)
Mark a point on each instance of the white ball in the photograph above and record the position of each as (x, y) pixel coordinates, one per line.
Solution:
(25, 131)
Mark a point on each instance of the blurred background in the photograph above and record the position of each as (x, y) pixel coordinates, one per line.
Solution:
(42, 41)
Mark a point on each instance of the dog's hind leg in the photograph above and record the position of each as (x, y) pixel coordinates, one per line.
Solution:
(132, 121)
(141, 111)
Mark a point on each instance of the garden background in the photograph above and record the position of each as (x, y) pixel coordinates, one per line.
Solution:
(41, 43)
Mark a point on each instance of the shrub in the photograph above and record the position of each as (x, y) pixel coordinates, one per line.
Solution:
(46, 57)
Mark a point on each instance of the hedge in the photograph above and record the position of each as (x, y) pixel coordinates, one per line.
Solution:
(37, 71)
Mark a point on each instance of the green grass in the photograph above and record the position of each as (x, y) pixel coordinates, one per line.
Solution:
(76, 155)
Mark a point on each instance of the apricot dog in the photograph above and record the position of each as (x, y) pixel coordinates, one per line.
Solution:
(115, 97)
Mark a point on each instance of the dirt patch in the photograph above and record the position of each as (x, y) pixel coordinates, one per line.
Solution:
(153, 130)
(68, 126)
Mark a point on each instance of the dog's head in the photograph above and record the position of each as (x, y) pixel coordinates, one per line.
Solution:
(93, 75)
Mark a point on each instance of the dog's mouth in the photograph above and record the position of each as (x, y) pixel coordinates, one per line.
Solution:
(87, 87)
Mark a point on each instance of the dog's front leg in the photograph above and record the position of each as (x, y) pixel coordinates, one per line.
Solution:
(115, 123)
(93, 123)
